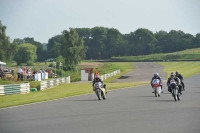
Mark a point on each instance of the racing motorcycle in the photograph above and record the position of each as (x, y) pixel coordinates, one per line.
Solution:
(157, 87)
(100, 90)
(175, 90)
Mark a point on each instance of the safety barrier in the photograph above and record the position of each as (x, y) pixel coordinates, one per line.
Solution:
(14, 89)
(54, 82)
(108, 75)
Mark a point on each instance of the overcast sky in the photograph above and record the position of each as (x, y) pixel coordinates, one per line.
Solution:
(43, 19)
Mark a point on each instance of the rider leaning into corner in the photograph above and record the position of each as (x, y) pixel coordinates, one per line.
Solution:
(97, 78)
(177, 80)
(181, 78)
(156, 76)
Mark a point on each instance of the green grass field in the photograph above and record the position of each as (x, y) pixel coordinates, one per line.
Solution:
(185, 68)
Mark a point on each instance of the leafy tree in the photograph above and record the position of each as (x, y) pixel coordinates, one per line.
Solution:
(59, 60)
(7, 49)
(40, 51)
(113, 41)
(54, 46)
(159, 36)
(145, 41)
(175, 41)
(4, 43)
(73, 49)
(98, 38)
(186, 41)
(26, 53)
(18, 41)
(86, 34)
(13, 49)
(125, 47)
(196, 41)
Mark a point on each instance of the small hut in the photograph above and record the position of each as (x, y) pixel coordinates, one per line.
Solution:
(87, 70)
(87, 74)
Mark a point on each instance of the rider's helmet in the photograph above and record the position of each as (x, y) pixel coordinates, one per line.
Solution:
(172, 75)
(176, 73)
(97, 75)
(155, 75)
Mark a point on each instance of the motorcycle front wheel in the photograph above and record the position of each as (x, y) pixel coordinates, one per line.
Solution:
(156, 95)
(179, 96)
(175, 94)
(103, 96)
(98, 93)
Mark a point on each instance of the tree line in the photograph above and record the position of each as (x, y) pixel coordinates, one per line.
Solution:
(96, 43)
(104, 43)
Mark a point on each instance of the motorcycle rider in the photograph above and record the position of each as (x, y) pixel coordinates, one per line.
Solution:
(156, 76)
(177, 80)
(181, 78)
(97, 78)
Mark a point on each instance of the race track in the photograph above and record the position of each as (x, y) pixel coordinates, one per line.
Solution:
(133, 110)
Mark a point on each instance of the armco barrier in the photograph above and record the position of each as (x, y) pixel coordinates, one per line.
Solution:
(14, 89)
(108, 75)
(54, 82)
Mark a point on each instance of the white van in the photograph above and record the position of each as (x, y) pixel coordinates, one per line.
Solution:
(2, 65)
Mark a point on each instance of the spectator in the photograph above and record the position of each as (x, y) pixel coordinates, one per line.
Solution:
(1, 72)
(20, 73)
(28, 74)
(50, 73)
(12, 71)
(40, 71)
(24, 73)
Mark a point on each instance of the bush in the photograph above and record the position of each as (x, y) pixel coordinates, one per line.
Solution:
(51, 65)
(22, 64)
(30, 63)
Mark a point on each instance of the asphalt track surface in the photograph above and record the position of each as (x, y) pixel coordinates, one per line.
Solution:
(143, 71)
(130, 110)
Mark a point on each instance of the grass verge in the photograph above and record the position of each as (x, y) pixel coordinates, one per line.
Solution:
(186, 69)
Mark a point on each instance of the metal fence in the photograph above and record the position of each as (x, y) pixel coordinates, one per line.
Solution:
(15, 89)
(54, 82)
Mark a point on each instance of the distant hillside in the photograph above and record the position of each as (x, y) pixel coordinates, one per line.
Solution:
(189, 54)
